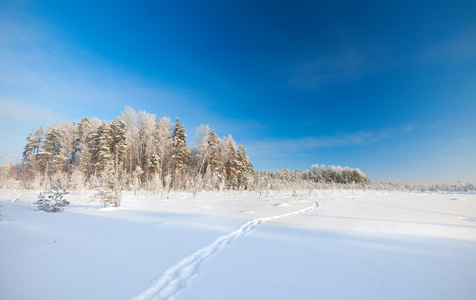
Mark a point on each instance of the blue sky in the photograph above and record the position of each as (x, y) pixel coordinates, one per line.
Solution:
(385, 86)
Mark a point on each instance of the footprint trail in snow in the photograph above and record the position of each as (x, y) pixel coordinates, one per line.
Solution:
(179, 275)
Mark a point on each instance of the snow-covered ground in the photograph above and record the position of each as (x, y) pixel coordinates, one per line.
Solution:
(323, 245)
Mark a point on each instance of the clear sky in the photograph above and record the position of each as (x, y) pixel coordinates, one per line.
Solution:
(385, 86)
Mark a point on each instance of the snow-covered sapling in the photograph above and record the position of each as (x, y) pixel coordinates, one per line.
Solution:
(52, 200)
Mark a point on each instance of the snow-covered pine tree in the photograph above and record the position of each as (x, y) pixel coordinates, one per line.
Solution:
(29, 160)
(105, 187)
(85, 133)
(52, 158)
(37, 141)
(232, 165)
(181, 151)
(110, 147)
(32, 147)
(158, 148)
(104, 144)
(119, 143)
(245, 167)
(52, 200)
(69, 137)
(28, 149)
(154, 164)
(215, 163)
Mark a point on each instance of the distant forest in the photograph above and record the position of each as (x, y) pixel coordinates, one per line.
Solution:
(138, 151)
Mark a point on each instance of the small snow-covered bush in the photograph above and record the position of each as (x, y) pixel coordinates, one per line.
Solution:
(52, 200)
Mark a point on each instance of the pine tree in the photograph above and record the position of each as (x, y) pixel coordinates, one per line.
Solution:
(135, 140)
(52, 200)
(233, 169)
(104, 143)
(68, 137)
(105, 187)
(30, 160)
(28, 149)
(83, 151)
(50, 158)
(119, 146)
(214, 154)
(181, 151)
(244, 165)
(37, 141)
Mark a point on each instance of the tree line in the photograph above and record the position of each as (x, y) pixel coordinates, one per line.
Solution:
(138, 151)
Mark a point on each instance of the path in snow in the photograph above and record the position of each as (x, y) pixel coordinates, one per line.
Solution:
(178, 276)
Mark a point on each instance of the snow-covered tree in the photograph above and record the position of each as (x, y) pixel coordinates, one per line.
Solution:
(180, 150)
(164, 145)
(69, 139)
(83, 151)
(52, 200)
(215, 163)
(49, 158)
(105, 189)
(28, 149)
(147, 139)
(130, 117)
(201, 149)
(135, 140)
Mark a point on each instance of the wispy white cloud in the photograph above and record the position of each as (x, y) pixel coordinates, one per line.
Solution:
(460, 48)
(354, 62)
(26, 113)
(347, 66)
(284, 147)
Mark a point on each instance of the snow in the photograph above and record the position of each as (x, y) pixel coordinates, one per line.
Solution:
(326, 244)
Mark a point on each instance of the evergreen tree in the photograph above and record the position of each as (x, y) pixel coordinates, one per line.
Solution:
(119, 146)
(215, 164)
(181, 151)
(232, 165)
(69, 137)
(52, 200)
(84, 143)
(28, 149)
(103, 144)
(135, 140)
(50, 158)
(106, 192)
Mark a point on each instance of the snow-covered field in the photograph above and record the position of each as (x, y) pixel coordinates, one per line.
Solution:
(230, 245)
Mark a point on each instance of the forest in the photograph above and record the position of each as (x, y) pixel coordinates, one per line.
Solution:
(138, 151)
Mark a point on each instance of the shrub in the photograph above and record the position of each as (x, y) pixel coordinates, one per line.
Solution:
(52, 200)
